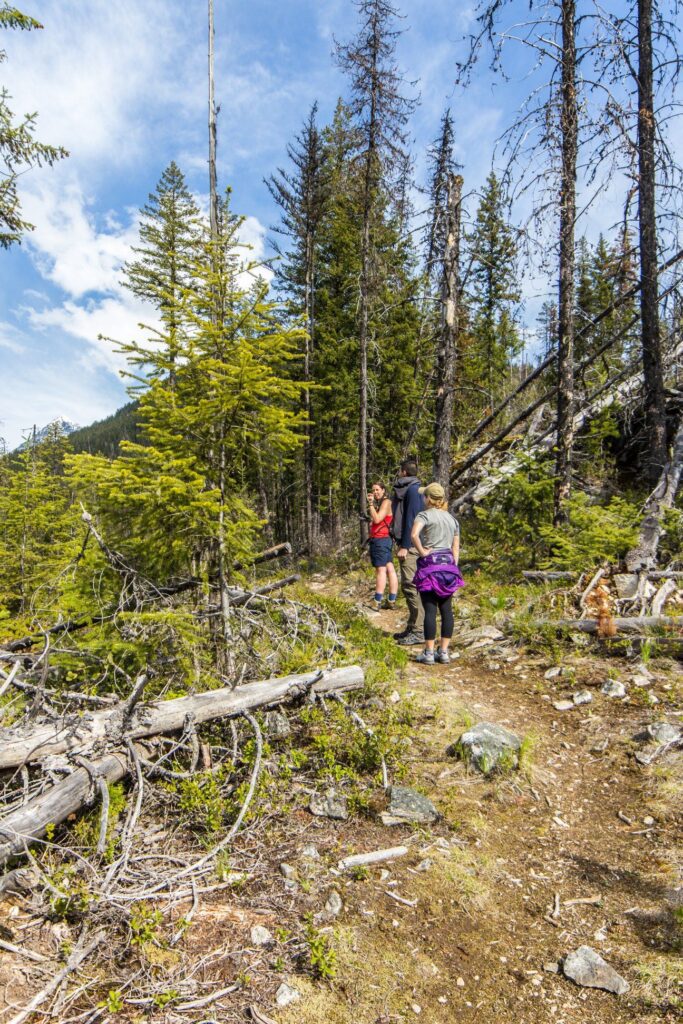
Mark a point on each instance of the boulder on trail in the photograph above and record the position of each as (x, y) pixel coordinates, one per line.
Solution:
(488, 747)
(407, 806)
(586, 968)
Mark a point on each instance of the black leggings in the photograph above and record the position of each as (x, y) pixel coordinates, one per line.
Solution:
(430, 603)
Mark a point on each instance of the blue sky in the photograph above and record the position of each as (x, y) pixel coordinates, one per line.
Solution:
(123, 87)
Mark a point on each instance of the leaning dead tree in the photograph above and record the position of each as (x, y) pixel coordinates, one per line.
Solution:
(644, 555)
(625, 388)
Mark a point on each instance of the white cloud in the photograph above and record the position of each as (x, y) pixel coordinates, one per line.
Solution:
(69, 249)
(92, 70)
(12, 339)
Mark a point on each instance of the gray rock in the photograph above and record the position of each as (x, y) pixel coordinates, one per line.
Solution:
(553, 672)
(488, 747)
(329, 805)
(563, 705)
(643, 681)
(663, 732)
(626, 584)
(582, 697)
(586, 968)
(484, 636)
(260, 936)
(286, 995)
(334, 905)
(277, 725)
(613, 688)
(287, 871)
(405, 805)
(310, 852)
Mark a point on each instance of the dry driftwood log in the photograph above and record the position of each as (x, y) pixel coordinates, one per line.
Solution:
(30, 821)
(644, 555)
(624, 625)
(80, 734)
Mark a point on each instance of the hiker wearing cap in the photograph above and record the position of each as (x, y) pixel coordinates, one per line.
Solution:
(405, 505)
(379, 510)
(436, 537)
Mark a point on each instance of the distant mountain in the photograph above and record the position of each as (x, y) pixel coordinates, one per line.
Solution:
(66, 426)
(104, 436)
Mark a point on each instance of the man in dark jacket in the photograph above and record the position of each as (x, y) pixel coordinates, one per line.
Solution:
(405, 504)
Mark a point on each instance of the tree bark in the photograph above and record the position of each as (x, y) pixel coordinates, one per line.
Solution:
(447, 349)
(569, 119)
(213, 193)
(20, 746)
(644, 554)
(649, 307)
(22, 826)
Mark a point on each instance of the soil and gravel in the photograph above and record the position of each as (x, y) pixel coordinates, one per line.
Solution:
(580, 846)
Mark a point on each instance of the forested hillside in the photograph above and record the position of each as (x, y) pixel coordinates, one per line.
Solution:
(211, 768)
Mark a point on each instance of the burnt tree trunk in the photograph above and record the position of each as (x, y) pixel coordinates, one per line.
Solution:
(447, 349)
(565, 352)
(649, 308)
(213, 193)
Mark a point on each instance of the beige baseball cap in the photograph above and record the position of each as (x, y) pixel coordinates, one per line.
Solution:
(434, 491)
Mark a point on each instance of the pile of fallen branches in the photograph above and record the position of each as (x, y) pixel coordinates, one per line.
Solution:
(81, 729)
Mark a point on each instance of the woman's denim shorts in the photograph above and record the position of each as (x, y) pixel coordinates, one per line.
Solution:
(380, 551)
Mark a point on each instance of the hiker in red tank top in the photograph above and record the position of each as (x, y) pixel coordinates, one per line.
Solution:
(379, 510)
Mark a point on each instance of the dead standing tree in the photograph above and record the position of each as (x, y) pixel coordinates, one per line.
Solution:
(548, 126)
(381, 113)
(638, 67)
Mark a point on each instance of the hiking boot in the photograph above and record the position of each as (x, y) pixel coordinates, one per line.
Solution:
(401, 633)
(389, 606)
(426, 657)
(442, 657)
(411, 638)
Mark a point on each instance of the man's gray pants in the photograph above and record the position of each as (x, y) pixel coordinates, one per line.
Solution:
(416, 613)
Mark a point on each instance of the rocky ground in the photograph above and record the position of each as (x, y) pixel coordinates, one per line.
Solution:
(579, 846)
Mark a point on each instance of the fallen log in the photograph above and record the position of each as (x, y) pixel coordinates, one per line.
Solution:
(644, 555)
(29, 822)
(537, 576)
(80, 734)
(624, 625)
(667, 588)
(620, 388)
(586, 329)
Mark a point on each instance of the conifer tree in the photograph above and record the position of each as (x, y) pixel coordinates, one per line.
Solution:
(180, 503)
(36, 525)
(302, 195)
(494, 289)
(19, 148)
(161, 269)
(381, 113)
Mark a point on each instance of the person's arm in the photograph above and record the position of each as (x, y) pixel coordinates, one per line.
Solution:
(379, 514)
(456, 548)
(418, 527)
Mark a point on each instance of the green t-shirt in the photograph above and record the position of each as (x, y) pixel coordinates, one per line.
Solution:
(439, 530)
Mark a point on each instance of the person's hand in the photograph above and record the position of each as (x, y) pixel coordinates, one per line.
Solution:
(402, 553)
(425, 552)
